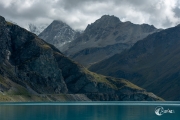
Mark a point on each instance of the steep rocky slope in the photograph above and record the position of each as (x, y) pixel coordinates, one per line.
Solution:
(104, 38)
(152, 63)
(58, 33)
(31, 69)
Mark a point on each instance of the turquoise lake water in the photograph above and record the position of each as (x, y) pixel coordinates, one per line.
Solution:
(89, 111)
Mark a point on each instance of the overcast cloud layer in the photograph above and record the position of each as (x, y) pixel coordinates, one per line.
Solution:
(79, 13)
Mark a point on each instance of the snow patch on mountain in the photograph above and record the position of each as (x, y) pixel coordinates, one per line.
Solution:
(59, 33)
(36, 29)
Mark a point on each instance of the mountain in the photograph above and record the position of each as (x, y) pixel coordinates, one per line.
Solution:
(104, 38)
(152, 63)
(58, 33)
(33, 70)
(37, 29)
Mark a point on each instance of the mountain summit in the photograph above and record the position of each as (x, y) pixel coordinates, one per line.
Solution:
(106, 22)
(58, 33)
(104, 38)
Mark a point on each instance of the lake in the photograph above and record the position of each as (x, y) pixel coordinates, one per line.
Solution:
(90, 111)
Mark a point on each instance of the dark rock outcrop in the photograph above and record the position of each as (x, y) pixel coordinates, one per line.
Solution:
(30, 59)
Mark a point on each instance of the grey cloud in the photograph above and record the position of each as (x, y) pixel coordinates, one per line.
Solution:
(71, 4)
(35, 11)
(79, 13)
(167, 23)
(177, 11)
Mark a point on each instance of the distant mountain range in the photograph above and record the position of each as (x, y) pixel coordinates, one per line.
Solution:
(34, 70)
(143, 54)
(104, 38)
(152, 63)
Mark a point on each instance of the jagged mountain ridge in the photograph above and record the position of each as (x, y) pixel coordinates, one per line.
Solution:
(105, 33)
(32, 69)
(58, 33)
(152, 63)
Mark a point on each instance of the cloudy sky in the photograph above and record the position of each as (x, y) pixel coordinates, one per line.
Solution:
(79, 13)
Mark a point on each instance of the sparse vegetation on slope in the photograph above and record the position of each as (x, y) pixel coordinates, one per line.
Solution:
(33, 70)
(152, 63)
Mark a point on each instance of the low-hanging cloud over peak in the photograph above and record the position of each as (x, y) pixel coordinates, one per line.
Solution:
(79, 13)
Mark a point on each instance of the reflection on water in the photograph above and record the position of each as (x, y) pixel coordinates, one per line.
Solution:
(85, 112)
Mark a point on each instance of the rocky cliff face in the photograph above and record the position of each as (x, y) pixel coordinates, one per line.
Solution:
(30, 59)
(152, 63)
(32, 69)
(58, 33)
(107, 36)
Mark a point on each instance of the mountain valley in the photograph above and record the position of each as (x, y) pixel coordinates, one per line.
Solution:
(152, 63)
(34, 70)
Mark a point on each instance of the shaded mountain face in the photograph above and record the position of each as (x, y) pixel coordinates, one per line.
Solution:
(152, 63)
(31, 69)
(104, 38)
(58, 33)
